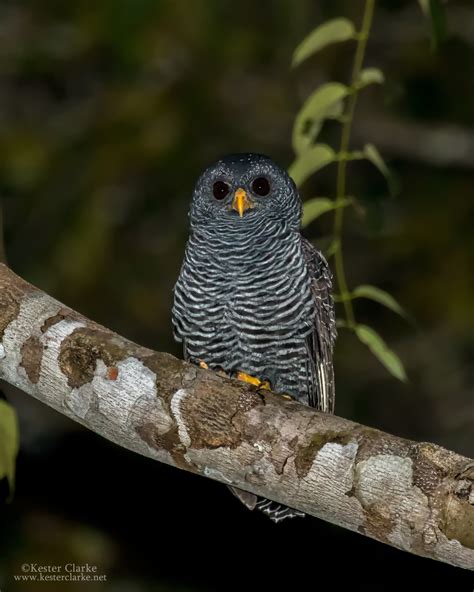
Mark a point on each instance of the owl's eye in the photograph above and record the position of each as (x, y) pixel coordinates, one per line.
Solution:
(261, 186)
(220, 189)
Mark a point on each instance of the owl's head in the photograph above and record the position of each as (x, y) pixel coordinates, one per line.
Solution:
(242, 190)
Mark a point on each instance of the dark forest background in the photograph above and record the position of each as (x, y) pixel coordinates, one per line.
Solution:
(109, 111)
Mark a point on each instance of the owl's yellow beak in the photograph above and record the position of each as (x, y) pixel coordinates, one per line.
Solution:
(241, 202)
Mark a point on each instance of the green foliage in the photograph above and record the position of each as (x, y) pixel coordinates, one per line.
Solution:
(380, 296)
(9, 443)
(339, 29)
(325, 103)
(434, 11)
(334, 100)
(318, 206)
(370, 76)
(425, 6)
(381, 351)
(373, 155)
(310, 161)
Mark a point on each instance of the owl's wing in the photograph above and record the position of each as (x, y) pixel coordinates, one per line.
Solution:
(321, 340)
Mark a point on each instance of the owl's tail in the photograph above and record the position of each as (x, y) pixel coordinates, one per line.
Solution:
(275, 511)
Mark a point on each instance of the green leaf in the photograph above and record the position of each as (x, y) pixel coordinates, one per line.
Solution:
(315, 207)
(318, 206)
(438, 22)
(325, 102)
(380, 296)
(373, 155)
(381, 351)
(333, 31)
(310, 161)
(425, 6)
(434, 10)
(354, 155)
(370, 76)
(9, 443)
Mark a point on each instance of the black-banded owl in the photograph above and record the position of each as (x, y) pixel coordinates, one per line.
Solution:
(254, 296)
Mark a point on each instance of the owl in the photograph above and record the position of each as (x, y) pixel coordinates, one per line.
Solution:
(253, 298)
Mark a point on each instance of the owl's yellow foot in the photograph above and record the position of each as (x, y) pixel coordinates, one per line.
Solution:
(253, 380)
(261, 384)
(202, 364)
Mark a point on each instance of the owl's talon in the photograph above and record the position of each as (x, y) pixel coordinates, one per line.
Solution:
(262, 385)
(220, 371)
(248, 379)
(263, 389)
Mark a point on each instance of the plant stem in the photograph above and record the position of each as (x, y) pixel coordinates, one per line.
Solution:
(342, 163)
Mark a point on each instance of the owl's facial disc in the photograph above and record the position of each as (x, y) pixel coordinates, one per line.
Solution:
(245, 192)
(241, 202)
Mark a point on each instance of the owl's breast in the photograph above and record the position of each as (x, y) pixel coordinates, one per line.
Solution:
(241, 307)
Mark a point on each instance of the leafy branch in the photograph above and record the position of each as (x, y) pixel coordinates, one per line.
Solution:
(9, 431)
(342, 163)
(338, 101)
(9, 444)
(434, 11)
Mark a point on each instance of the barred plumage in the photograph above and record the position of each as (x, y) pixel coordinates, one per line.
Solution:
(253, 295)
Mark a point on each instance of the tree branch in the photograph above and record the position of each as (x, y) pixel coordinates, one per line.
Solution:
(415, 496)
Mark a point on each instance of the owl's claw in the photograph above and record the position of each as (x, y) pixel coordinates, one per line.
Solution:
(250, 379)
(202, 364)
(262, 385)
(247, 378)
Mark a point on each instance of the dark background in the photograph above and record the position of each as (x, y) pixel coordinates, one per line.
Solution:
(109, 111)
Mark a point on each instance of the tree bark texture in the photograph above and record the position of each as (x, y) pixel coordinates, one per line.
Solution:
(415, 496)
